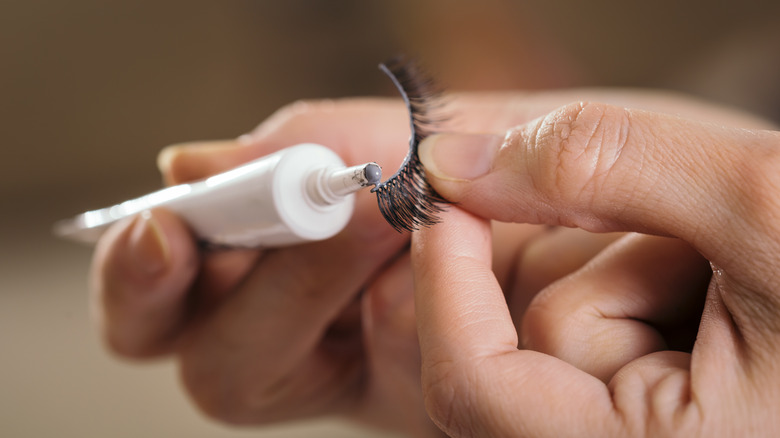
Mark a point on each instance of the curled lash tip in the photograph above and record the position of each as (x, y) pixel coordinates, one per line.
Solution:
(406, 199)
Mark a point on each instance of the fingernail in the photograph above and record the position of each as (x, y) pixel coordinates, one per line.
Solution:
(459, 157)
(148, 247)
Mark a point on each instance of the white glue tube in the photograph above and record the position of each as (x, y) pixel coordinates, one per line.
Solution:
(298, 194)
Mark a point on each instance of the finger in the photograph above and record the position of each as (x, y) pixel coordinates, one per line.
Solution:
(393, 354)
(359, 129)
(549, 257)
(140, 276)
(631, 300)
(221, 272)
(509, 245)
(604, 168)
(557, 253)
(474, 247)
(475, 381)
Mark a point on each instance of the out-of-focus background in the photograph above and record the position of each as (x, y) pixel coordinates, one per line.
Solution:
(91, 90)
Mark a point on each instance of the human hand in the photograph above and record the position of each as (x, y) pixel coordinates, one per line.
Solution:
(599, 352)
(264, 336)
(323, 328)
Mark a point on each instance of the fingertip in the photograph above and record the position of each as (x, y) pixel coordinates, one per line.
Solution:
(459, 304)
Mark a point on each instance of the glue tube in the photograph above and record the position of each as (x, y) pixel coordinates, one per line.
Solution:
(299, 194)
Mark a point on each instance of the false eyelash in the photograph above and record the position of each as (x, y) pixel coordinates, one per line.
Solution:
(406, 199)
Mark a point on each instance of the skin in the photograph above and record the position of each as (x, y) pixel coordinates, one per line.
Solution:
(280, 334)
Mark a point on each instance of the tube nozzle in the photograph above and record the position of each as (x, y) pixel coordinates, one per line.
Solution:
(350, 180)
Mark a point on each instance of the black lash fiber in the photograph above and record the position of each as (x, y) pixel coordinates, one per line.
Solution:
(406, 199)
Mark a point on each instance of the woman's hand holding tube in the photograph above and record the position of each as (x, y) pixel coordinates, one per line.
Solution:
(608, 350)
(268, 336)
(329, 327)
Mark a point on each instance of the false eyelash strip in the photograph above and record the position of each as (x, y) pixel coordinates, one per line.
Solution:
(406, 199)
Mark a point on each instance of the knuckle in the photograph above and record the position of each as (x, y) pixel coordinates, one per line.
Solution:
(576, 148)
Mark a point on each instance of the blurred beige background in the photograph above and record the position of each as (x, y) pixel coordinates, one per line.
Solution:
(91, 90)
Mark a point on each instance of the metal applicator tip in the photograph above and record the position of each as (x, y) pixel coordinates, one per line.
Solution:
(350, 180)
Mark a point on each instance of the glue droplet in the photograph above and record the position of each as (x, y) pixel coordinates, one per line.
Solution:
(373, 173)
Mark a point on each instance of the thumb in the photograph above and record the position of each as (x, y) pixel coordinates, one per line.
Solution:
(605, 168)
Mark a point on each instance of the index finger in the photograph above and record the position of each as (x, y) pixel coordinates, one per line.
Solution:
(359, 130)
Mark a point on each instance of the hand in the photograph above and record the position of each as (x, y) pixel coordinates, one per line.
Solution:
(324, 328)
(264, 336)
(600, 352)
